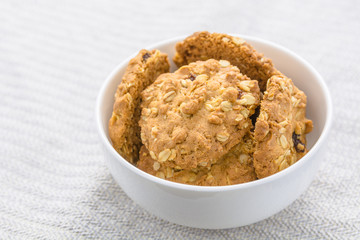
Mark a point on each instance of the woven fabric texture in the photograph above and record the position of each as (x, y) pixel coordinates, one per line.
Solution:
(55, 55)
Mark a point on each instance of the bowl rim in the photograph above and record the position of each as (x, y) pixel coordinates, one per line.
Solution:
(211, 189)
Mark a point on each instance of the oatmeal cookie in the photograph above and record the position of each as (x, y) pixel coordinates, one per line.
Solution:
(124, 130)
(233, 168)
(195, 115)
(281, 127)
(205, 45)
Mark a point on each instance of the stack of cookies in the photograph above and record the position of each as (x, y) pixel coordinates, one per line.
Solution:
(226, 116)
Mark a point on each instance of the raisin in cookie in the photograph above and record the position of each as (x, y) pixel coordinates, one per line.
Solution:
(205, 45)
(195, 115)
(233, 168)
(124, 130)
(281, 127)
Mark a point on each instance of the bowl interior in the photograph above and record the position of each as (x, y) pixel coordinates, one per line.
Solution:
(305, 77)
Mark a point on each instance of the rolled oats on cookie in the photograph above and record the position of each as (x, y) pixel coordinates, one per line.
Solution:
(233, 168)
(202, 110)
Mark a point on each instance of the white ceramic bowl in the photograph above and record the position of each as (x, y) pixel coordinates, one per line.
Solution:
(225, 206)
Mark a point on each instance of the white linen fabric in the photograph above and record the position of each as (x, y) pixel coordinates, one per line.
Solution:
(55, 55)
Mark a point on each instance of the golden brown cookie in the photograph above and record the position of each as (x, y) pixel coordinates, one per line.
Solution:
(205, 45)
(124, 130)
(233, 168)
(195, 115)
(281, 127)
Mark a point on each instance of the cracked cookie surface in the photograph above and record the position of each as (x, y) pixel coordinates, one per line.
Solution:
(195, 115)
(205, 45)
(281, 127)
(233, 168)
(124, 130)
